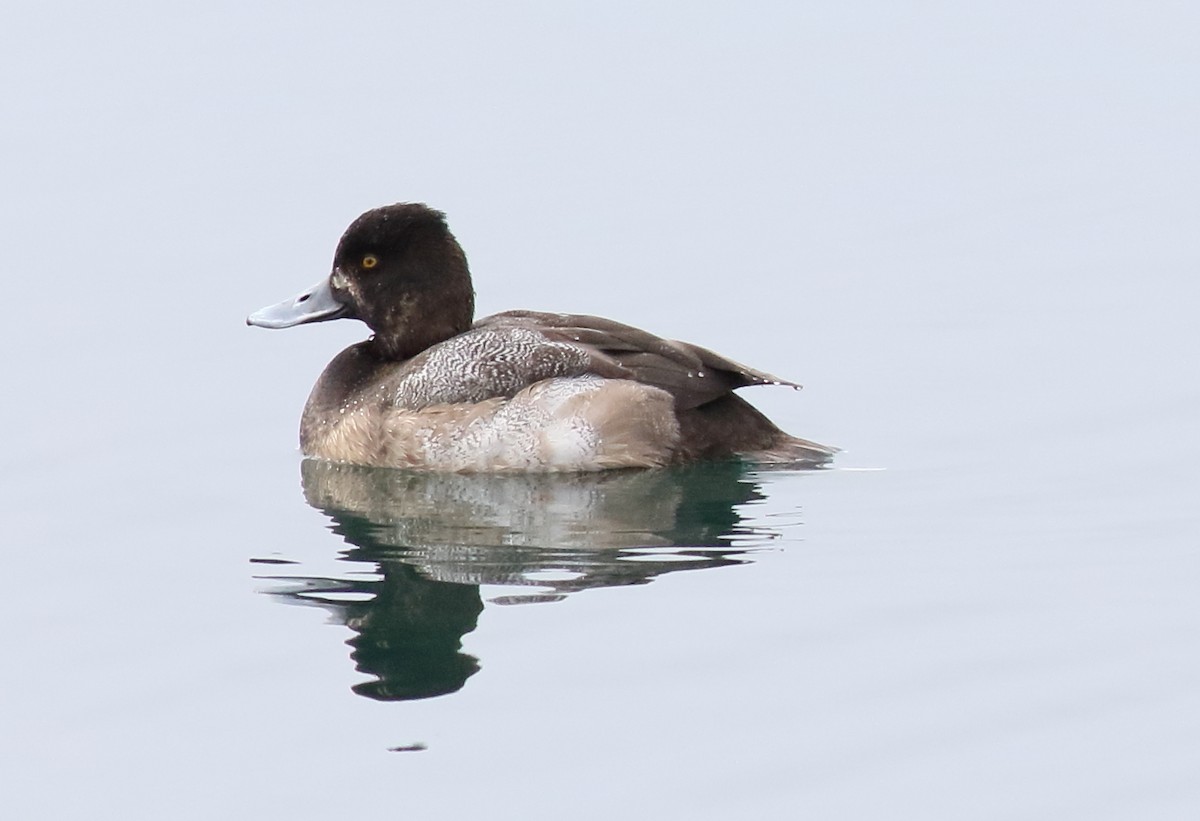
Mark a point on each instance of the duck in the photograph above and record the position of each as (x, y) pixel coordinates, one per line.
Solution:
(434, 389)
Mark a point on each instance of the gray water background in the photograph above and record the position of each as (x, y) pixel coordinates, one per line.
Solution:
(970, 231)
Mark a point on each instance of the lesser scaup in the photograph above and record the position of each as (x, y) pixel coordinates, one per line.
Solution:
(519, 390)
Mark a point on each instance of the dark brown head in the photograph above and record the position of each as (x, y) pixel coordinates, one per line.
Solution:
(398, 269)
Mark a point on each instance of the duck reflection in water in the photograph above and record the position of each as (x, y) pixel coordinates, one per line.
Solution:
(434, 538)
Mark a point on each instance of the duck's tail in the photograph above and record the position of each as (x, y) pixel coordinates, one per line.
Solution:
(792, 451)
(731, 427)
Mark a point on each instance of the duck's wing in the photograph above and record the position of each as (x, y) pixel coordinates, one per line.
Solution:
(693, 375)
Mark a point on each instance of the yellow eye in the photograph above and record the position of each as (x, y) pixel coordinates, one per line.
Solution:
(370, 261)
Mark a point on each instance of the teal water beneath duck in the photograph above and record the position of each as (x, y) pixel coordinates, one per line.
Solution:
(423, 551)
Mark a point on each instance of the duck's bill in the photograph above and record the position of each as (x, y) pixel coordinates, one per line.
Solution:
(317, 304)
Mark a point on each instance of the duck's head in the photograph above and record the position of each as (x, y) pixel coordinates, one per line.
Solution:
(398, 269)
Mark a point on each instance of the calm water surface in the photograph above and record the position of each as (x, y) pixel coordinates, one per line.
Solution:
(274, 635)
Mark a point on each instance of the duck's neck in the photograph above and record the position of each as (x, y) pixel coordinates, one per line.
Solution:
(418, 321)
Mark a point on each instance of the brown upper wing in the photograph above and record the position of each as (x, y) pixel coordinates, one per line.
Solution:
(693, 375)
